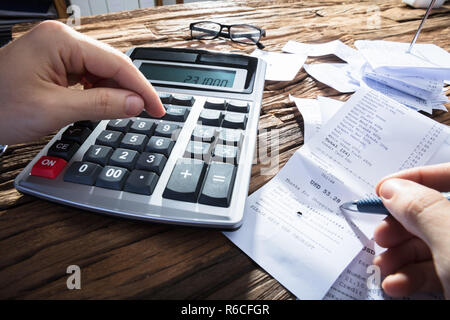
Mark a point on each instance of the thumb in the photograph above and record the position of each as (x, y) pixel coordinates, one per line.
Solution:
(100, 104)
(422, 211)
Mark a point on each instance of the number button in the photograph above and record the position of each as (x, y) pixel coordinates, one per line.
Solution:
(142, 126)
(124, 158)
(168, 130)
(119, 125)
(82, 172)
(160, 145)
(63, 149)
(109, 138)
(141, 182)
(134, 141)
(98, 154)
(112, 178)
(154, 162)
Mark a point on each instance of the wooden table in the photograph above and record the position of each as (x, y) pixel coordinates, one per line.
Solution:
(129, 259)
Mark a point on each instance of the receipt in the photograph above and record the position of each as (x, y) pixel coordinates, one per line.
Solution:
(293, 227)
(335, 75)
(424, 60)
(353, 282)
(335, 47)
(280, 66)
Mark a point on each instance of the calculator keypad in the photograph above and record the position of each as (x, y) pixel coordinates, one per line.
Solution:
(131, 154)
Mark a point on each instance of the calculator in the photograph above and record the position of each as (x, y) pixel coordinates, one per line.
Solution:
(190, 167)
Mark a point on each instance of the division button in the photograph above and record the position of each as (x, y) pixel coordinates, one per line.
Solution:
(218, 186)
(48, 167)
(215, 103)
(109, 138)
(210, 117)
(63, 149)
(112, 178)
(234, 120)
(76, 134)
(141, 182)
(98, 154)
(185, 181)
(238, 106)
(82, 172)
(154, 162)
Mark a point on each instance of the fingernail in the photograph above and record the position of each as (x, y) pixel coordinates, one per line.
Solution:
(389, 188)
(133, 105)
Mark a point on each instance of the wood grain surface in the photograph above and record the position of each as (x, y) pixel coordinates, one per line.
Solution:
(128, 259)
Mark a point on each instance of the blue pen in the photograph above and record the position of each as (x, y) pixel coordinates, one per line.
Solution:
(372, 205)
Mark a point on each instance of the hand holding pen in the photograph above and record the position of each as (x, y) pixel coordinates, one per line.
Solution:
(417, 234)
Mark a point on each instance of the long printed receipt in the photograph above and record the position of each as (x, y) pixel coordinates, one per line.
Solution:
(293, 227)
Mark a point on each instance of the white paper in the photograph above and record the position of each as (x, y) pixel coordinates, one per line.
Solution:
(424, 59)
(328, 107)
(311, 114)
(334, 75)
(336, 47)
(280, 66)
(352, 283)
(293, 227)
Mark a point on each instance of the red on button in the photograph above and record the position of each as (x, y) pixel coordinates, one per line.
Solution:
(48, 167)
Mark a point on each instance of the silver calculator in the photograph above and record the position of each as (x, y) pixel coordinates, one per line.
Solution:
(190, 167)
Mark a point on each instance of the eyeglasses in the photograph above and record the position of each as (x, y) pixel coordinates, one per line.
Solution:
(241, 33)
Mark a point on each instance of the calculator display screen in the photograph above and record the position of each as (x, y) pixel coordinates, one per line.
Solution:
(184, 74)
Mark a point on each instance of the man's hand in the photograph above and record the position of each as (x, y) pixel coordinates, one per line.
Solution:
(36, 70)
(418, 233)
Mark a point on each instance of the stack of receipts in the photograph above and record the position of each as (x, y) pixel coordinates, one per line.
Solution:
(293, 227)
(415, 79)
